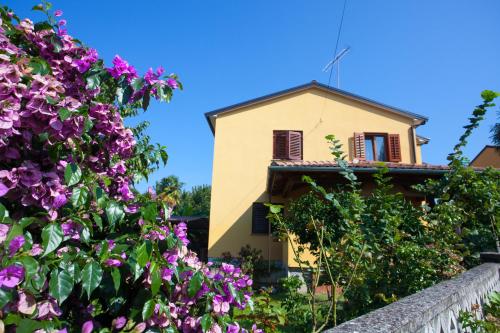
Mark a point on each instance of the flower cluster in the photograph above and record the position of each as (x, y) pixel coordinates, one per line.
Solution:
(80, 249)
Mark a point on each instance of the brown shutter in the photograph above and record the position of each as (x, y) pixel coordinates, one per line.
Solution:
(394, 148)
(359, 146)
(295, 145)
(260, 223)
(280, 145)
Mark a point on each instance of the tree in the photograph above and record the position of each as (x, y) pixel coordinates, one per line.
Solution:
(80, 250)
(195, 202)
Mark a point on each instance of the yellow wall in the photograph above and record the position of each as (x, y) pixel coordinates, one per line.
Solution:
(244, 147)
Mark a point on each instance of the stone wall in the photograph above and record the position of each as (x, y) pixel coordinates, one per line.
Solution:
(432, 310)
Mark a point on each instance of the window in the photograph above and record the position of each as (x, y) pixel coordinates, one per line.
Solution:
(376, 147)
(287, 145)
(260, 223)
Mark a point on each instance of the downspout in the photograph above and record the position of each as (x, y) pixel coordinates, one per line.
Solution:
(414, 144)
(269, 239)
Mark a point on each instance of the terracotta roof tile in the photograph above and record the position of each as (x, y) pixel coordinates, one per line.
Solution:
(360, 164)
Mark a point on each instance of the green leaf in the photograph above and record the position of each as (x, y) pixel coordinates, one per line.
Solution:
(26, 221)
(144, 253)
(30, 266)
(72, 174)
(195, 284)
(100, 197)
(155, 280)
(146, 99)
(73, 269)
(52, 236)
(93, 81)
(150, 212)
(115, 274)
(28, 326)
(137, 83)
(206, 322)
(148, 309)
(79, 196)
(97, 220)
(64, 114)
(114, 212)
(123, 94)
(5, 297)
(3, 212)
(56, 43)
(40, 66)
(43, 136)
(60, 284)
(91, 277)
(39, 26)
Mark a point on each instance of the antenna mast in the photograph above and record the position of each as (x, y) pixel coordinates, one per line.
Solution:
(336, 61)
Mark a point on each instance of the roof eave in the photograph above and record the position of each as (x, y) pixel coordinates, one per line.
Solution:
(417, 119)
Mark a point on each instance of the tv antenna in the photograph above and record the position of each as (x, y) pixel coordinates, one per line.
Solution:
(336, 61)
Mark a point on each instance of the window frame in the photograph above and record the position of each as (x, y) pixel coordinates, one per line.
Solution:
(288, 158)
(253, 232)
(372, 136)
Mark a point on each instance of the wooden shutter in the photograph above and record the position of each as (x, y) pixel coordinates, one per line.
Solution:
(359, 146)
(394, 148)
(280, 145)
(295, 145)
(260, 223)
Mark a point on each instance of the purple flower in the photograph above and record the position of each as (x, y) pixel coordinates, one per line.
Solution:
(26, 303)
(59, 201)
(166, 274)
(172, 83)
(121, 67)
(71, 229)
(233, 328)
(119, 322)
(58, 13)
(88, 326)
(11, 276)
(112, 263)
(61, 23)
(3, 189)
(15, 244)
(219, 305)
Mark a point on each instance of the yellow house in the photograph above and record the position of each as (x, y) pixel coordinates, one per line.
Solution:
(263, 147)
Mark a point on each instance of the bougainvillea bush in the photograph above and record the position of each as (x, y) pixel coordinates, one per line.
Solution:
(80, 249)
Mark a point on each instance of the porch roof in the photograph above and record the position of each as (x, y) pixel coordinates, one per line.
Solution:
(286, 175)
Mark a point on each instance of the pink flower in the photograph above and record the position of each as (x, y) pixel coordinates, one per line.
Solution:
(36, 250)
(48, 309)
(61, 23)
(4, 230)
(58, 13)
(15, 244)
(119, 322)
(219, 305)
(26, 303)
(88, 326)
(11, 276)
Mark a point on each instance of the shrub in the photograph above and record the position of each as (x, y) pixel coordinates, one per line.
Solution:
(80, 249)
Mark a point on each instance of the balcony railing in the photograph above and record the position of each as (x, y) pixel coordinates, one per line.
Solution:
(435, 309)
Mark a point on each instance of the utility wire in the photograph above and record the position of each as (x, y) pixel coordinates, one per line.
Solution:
(338, 39)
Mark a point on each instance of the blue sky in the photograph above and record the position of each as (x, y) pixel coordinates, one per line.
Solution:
(430, 57)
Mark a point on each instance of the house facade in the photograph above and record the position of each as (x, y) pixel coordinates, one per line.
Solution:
(262, 147)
